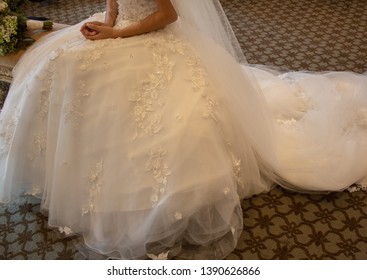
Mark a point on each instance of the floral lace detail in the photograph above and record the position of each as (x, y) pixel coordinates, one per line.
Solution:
(161, 256)
(237, 167)
(34, 191)
(212, 107)
(156, 164)
(287, 123)
(197, 74)
(95, 183)
(46, 76)
(43, 104)
(55, 54)
(290, 122)
(39, 141)
(65, 230)
(178, 216)
(356, 120)
(73, 110)
(135, 10)
(226, 191)
(298, 90)
(147, 98)
(6, 135)
(198, 77)
(91, 53)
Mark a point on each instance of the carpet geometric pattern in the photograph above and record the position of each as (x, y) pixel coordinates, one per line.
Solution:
(314, 35)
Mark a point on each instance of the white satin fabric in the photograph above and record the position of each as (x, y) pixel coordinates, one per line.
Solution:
(144, 146)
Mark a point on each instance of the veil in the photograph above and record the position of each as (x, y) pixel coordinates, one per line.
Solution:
(303, 159)
(208, 17)
(208, 29)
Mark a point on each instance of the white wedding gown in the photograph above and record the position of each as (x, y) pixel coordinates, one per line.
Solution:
(134, 145)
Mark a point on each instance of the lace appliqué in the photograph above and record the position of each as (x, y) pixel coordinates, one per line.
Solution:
(197, 74)
(34, 191)
(178, 216)
(95, 183)
(91, 53)
(39, 142)
(147, 98)
(303, 104)
(156, 164)
(135, 10)
(356, 121)
(73, 110)
(237, 168)
(65, 230)
(47, 76)
(161, 256)
(43, 103)
(6, 135)
(287, 123)
(198, 77)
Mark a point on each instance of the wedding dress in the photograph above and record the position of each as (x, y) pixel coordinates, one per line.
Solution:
(142, 146)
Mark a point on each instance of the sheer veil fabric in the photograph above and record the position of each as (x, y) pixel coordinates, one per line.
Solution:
(209, 18)
(146, 145)
(295, 148)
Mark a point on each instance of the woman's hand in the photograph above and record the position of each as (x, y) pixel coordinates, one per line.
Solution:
(97, 30)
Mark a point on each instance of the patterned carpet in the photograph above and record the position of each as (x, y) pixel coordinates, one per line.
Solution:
(294, 34)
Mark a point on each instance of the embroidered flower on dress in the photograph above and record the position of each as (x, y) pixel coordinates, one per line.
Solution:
(197, 74)
(156, 164)
(161, 256)
(73, 111)
(178, 216)
(287, 123)
(95, 182)
(226, 191)
(65, 230)
(36, 190)
(6, 134)
(39, 143)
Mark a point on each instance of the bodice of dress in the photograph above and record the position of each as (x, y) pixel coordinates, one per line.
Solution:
(135, 9)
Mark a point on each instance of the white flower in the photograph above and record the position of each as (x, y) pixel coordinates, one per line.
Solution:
(161, 256)
(178, 216)
(65, 230)
(34, 191)
(233, 230)
(226, 191)
(3, 5)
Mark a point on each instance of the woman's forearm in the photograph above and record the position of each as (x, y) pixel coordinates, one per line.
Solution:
(111, 12)
(153, 22)
(164, 15)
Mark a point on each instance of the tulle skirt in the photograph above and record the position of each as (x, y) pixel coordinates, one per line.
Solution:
(142, 146)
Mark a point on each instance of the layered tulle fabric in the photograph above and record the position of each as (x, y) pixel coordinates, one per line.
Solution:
(121, 141)
(320, 121)
(143, 146)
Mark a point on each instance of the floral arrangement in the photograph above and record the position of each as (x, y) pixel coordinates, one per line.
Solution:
(13, 27)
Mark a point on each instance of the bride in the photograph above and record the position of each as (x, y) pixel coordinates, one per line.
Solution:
(142, 128)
